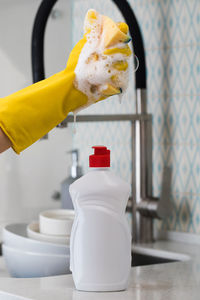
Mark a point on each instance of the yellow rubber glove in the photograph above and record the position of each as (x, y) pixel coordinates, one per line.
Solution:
(30, 113)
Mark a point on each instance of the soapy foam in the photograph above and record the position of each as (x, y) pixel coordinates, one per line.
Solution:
(94, 69)
(137, 63)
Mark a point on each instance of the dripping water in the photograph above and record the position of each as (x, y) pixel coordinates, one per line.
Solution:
(120, 98)
(74, 125)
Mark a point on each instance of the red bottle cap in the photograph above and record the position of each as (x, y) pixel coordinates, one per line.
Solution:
(100, 158)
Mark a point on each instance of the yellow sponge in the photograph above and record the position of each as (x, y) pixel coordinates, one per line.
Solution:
(111, 90)
(125, 51)
(114, 33)
(123, 27)
(120, 65)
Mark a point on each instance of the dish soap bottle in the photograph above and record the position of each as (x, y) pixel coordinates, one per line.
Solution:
(76, 172)
(100, 243)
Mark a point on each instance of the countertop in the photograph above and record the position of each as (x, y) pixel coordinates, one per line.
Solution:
(176, 280)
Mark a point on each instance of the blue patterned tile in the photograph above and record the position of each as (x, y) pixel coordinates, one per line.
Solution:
(170, 23)
(176, 121)
(185, 215)
(185, 162)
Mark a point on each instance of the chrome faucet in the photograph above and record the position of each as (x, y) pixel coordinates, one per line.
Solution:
(143, 206)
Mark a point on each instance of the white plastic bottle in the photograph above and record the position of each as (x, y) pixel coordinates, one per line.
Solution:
(100, 243)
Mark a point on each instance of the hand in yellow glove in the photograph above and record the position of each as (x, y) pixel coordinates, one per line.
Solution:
(29, 114)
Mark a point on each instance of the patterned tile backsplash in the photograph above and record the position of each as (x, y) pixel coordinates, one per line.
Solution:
(171, 32)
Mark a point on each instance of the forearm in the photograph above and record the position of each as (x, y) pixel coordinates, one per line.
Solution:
(5, 143)
(29, 114)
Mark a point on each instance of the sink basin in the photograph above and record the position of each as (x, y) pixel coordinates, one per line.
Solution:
(8, 296)
(144, 260)
(145, 256)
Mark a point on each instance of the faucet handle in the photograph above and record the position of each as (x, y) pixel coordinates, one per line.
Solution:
(154, 207)
(164, 208)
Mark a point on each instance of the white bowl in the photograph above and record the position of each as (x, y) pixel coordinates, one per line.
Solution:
(15, 236)
(33, 232)
(26, 264)
(56, 221)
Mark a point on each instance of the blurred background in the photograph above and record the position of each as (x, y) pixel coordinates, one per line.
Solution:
(171, 35)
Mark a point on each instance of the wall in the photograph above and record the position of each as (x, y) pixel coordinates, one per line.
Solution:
(172, 41)
(27, 181)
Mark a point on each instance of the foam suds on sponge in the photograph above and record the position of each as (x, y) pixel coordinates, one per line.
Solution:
(94, 70)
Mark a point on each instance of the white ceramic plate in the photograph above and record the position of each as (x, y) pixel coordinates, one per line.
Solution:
(15, 236)
(34, 233)
(25, 264)
(56, 221)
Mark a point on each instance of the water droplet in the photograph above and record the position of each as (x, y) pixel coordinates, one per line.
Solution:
(74, 129)
(120, 98)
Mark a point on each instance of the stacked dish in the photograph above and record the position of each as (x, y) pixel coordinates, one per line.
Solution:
(40, 248)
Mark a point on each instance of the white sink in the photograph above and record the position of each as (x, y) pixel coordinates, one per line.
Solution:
(146, 256)
(7, 296)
